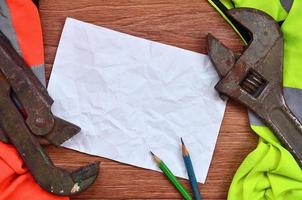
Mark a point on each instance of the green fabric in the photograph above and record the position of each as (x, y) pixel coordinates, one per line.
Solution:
(228, 4)
(270, 172)
(272, 7)
(291, 29)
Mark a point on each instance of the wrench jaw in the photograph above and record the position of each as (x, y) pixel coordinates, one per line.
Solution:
(222, 63)
(63, 183)
(226, 59)
(262, 27)
(84, 177)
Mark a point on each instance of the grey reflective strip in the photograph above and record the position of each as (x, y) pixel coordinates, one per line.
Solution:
(254, 119)
(39, 71)
(287, 4)
(8, 30)
(293, 98)
(6, 25)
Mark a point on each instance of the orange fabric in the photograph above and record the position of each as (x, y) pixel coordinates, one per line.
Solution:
(27, 25)
(16, 183)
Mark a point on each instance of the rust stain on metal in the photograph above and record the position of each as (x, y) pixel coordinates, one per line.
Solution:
(26, 119)
(255, 77)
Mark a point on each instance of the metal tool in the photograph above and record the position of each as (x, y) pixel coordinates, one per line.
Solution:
(26, 119)
(254, 77)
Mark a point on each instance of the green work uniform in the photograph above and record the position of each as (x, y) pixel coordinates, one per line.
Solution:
(270, 172)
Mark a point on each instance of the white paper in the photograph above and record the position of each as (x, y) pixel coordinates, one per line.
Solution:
(130, 95)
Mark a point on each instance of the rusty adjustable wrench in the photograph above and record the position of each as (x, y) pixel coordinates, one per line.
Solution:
(254, 78)
(25, 117)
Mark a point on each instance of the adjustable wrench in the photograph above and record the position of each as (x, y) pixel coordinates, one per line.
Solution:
(254, 78)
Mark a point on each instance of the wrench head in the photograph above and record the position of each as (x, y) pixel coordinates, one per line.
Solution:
(255, 78)
(63, 183)
(257, 72)
(262, 27)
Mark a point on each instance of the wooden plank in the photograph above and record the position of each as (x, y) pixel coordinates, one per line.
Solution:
(180, 23)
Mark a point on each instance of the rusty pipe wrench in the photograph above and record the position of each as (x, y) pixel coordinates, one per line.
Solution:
(20, 90)
(32, 98)
(254, 78)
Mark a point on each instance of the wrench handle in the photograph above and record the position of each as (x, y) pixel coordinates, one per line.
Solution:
(27, 88)
(288, 128)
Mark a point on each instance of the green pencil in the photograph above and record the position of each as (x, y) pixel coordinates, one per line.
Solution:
(185, 194)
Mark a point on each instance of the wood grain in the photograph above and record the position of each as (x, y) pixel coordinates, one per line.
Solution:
(182, 23)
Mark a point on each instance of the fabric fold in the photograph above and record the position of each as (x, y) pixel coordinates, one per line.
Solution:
(270, 172)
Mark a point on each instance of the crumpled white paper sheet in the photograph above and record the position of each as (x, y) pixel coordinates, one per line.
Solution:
(130, 95)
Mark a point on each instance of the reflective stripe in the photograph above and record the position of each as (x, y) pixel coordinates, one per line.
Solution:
(6, 25)
(293, 99)
(39, 71)
(254, 119)
(287, 4)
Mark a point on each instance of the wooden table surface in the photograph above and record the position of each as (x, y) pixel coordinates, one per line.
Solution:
(182, 23)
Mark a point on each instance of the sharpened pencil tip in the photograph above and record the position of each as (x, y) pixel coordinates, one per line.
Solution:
(157, 159)
(182, 142)
(184, 148)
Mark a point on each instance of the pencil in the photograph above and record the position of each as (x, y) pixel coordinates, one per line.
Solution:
(190, 171)
(184, 193)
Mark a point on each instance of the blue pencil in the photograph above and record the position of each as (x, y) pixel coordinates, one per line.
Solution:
(190, 171)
